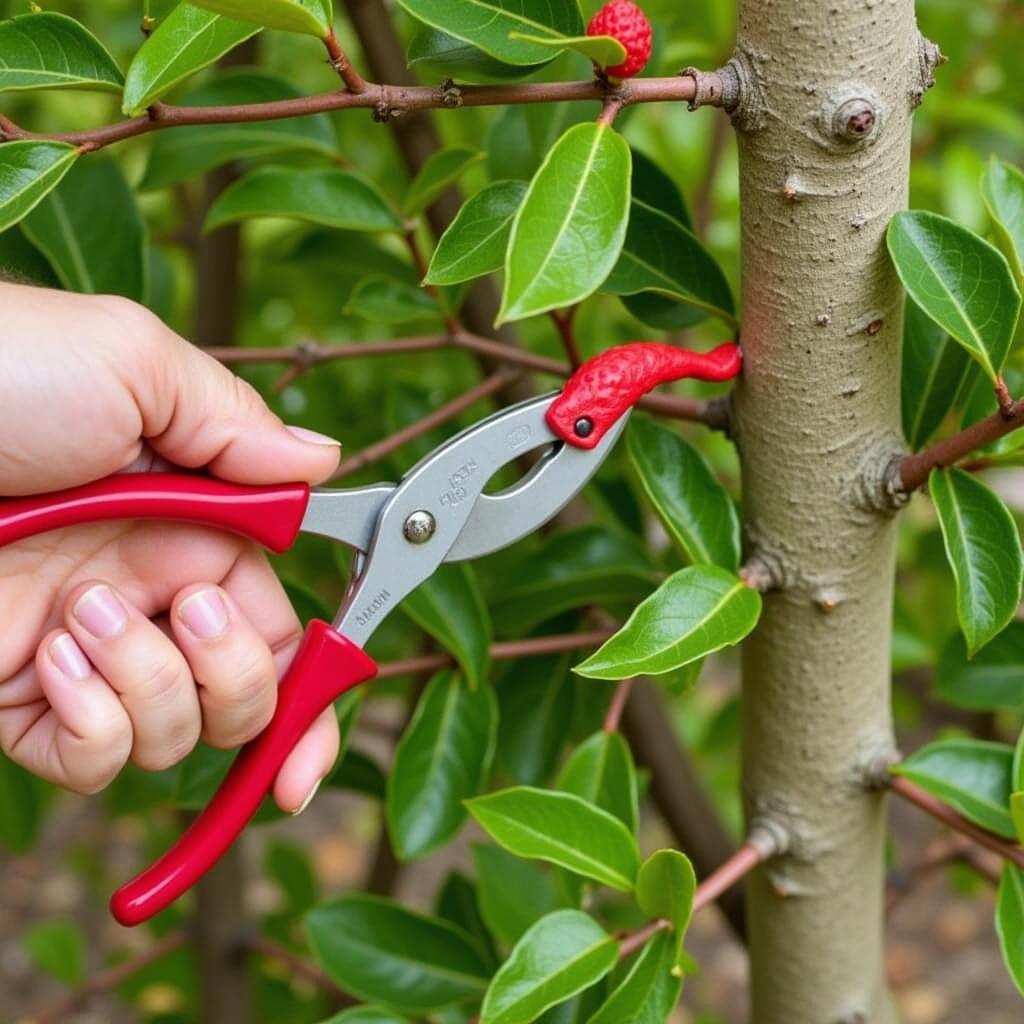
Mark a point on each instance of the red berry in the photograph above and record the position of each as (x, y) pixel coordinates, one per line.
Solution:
(624, 21)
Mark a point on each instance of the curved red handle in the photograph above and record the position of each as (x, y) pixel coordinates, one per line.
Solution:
(326, 666)
(270, 515)
(604, 387)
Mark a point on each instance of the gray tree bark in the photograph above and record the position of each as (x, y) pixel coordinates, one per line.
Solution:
(826, 93)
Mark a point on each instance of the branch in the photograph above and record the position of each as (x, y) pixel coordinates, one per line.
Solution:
(939, 853)
(339, 61)
(613, 716)
(386, 102)
(903, 787)
(762, 845)
(260, 945)
(912, 472)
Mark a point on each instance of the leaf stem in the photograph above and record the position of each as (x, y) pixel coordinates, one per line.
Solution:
(613, 717)
(354, 82)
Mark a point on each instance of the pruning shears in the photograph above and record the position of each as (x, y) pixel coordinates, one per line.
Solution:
(400, 534)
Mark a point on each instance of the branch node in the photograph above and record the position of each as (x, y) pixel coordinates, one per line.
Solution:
(743, 97)
(879, 485)
(874, 772)
(929, 57)
(450, 95)
(769, 837)
(764, 572)
(710, 88)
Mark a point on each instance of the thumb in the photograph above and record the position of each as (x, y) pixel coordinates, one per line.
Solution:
(196, 413)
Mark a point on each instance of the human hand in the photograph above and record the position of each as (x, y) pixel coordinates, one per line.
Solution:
(132, 640)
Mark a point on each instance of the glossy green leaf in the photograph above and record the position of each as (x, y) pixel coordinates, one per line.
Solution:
(328, 196)
(562, 954)
(442, 56)
(441, 170)
(665, 887)
(1017, 814)
(958, 279)
(489, 24)
(993, 679)
(185, 153)
(476, 241)
(601, 771)
(308, 17)
(695, 612)
(46, 50)
(20, 260)
(934, 370)
(591, 565)
(654, 187)
(450, 608)
(984, 552)
(28, 171)
(92, 233)
(442, 760)
(696, 510)
(569, 231)
(385, 953)
(184, 42)
(649, 992)
(1003, 188)
(359, 774)
(973, 776)
(520, 136)
(1010, 922)
(560, 828)
(604, 51)
(660, 255)
(367, 1015)
(382, 300)
(21, 806)
(58, 947)
(513, 893)
(459, 902)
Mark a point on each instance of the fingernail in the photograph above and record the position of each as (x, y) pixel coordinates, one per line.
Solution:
(204, 614)
(309, 799)
(69, 659)
(312, 437)
(100, 611)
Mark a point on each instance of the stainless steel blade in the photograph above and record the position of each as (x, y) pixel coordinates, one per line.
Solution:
(348, 516)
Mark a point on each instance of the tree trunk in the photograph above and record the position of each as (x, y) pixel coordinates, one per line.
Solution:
(825, 93)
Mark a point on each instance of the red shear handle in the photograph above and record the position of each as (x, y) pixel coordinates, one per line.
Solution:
(270, 515)
(604, 387)
(326, 666)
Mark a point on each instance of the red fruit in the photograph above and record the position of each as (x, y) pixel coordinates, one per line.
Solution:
(624, 21)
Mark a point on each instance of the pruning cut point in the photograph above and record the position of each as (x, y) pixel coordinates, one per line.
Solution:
(624, 21)
(851, 114)
(875, 326)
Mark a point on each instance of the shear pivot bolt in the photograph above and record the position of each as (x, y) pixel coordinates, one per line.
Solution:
(419, 527)
(584, 427)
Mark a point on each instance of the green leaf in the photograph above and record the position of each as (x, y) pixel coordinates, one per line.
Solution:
(1010, 922)
(513, 893)
(601, 771)
(442, 169)
(984, 552)
(187, 40)
(696, 510)
(22, 261)
(489, 24)
(649, 992)
(28, 170)
(450, 608)
(569, 231)
(992, 680)
(367, 1015)
(562, 954)
(308, 17)
(382, 300)
(185, 153)
(560, 828)
(695, 612)
(592, 565)
(665, 887)
(45, 50)
(91, 231)
(21, 806)
(1017, 814)
(520, 136)
(359, 774)
(934, 370)
(442, 57)
(385, 953)
(442, 760)
(475, 242)
(660, 255)
(328, 196)
(604, 51)
(291, 867)
(958, 279)
(654, 187)
(459, 902)
(1002, 186)
(973, 776)
(57, 947)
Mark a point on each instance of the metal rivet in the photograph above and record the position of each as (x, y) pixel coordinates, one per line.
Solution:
(419, 527)
(584, 426)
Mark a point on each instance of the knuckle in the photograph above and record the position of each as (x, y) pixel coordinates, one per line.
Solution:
(241, 710)
(176, 744)
(161, 682)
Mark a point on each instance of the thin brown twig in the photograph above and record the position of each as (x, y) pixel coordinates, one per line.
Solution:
(564, 323)
(613, 716)
(354, 82)
(629, 944)
(932, 805)
(738, 866)
(386, 101)
(260, 945)
(941, 852)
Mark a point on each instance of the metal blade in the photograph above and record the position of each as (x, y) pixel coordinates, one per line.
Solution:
(501, 519)
(348, 516)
